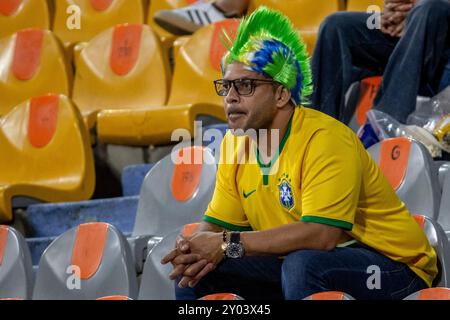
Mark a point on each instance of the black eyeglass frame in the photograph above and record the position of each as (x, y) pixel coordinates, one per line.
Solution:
(253, 85)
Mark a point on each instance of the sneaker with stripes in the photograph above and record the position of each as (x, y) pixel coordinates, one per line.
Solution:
(187, 20)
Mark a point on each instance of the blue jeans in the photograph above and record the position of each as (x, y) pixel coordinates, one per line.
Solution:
(306, 272)
(348, 51)
(445, 81)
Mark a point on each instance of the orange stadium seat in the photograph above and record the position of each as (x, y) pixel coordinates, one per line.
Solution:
(123, 67)
(363, 5)
(32, 63)
(95, 16)
(45, 154)
(409, 168)
(359, 100)
(221, 296)
(114, 298)
(307, 15)
(430, 294)
(16, 15)
(330, 295)
(166, 37)
(192, 95)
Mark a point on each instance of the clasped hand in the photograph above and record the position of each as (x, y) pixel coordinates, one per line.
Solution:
(394, 16)
(194, 257)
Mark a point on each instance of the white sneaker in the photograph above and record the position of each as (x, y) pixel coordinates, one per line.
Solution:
(187, 20)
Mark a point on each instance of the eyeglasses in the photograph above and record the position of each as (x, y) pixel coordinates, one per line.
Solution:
(244, 87)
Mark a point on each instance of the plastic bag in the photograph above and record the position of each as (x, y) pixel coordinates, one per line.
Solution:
(430, 112)
(434, 116)
(386, 127)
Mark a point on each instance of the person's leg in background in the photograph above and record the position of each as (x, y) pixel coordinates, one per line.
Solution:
(348, 270)
(417, 60)
(253, 278)
(445, 79)
(187, 20)
(346, 51)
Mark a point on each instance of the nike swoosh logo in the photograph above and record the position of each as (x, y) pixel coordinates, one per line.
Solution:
(246, 195)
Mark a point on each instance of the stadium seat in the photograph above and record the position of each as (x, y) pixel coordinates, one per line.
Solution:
(45, 154)
(444, 170)
(362, 5)
(123, 67)
(94, 16)
(167, 39)
(192, 95)
(444, 210)
(114, 298)
(173, 195)
(16, 276)
(438, 240)
(409, 168)
(430, 294)
(16, 15)
(307, 15)
(86, 263)
(359, 100)
(330, 295)
(47, 221)
(155, 283)
(33, 64)
(221, 296)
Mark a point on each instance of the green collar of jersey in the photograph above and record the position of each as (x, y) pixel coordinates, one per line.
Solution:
(265, 168)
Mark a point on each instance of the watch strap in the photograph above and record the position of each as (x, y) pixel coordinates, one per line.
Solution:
(235, 237)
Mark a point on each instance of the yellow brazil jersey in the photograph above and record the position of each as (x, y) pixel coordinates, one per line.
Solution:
(324, 175)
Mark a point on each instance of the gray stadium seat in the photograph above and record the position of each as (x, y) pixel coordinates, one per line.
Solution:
(172, 196)
(444, 210)
(16, 274)
(104, 260)
(443, 168)
(409, 167)
(438, 240)
(155, 282)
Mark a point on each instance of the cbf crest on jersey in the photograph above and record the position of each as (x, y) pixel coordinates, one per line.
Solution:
(286, 194)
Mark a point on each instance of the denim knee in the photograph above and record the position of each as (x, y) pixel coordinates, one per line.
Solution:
(339, 22)
(431, 9)
(300, 274)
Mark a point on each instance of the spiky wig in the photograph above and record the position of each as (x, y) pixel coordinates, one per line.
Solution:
(268, 44)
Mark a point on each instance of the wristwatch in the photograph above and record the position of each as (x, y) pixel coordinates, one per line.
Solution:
(234, 248)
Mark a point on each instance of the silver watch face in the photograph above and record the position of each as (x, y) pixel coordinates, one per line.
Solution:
(235, 250)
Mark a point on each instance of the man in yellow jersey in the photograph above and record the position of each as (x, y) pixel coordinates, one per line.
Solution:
(318, 215)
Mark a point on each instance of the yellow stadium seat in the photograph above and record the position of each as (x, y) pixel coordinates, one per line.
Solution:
(45, 154)
(307, 15)
(32, 63)
(16, 15)
(363, 5)
(123, 67)
(95, 16)
(166, 37)
(197, 64)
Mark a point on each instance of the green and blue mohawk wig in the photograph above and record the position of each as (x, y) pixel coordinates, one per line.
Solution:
(268, 44)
